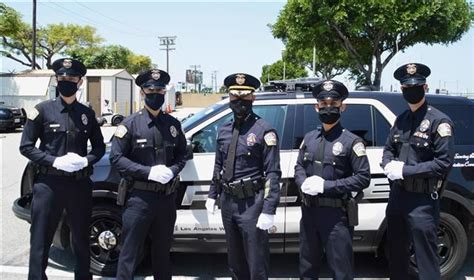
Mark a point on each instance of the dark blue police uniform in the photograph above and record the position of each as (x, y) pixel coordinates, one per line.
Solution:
(422, 140)
(62, 128)
(141, 142)
(252, 188)
(339, 157)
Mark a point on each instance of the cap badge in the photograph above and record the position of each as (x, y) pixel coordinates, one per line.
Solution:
(328, 85)
(240, 79)
(67, 63)
(411, 69)
(155, 74)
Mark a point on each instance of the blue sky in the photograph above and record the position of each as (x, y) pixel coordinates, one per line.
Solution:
(224, 36)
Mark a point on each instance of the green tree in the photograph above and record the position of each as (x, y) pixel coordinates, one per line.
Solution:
(10, 20)
(111, 57)
(370, 32)
(275, 71)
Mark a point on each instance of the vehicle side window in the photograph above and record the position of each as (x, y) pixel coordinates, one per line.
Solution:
(204, 141)
(463, 119)
(382, 128)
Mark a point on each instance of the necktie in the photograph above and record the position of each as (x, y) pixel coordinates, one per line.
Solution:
(71, 130)
(230, 161)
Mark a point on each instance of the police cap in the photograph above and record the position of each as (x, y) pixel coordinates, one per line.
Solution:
(69, 67)
(330, 89)
(240, 84)
(412, 74)
(153, 78)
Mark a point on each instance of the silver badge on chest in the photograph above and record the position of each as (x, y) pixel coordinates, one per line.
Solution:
(424, 125)
(337, 148)
(173, 131)
(251, 139)
(84, 119)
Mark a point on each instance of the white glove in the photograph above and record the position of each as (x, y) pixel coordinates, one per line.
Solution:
(68, 163)
(161, 174)
(265, 221)
(394, 170)
(78, 160)
(313, 185)
(211, 205)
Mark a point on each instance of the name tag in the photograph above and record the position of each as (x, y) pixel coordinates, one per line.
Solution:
(54, 125)
(421, 135)
(141, 141)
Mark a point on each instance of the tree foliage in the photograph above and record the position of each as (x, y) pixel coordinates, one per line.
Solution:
(363, 36)
(275, 71)
(111, 57)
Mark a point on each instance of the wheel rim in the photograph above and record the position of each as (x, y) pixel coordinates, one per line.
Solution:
(445, 246)
(104, 238)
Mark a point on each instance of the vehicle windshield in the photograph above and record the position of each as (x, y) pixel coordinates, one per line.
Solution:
(195, 119)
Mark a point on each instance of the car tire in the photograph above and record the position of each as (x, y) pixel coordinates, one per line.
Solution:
(116, 120)
(452, 247)
(106, 221)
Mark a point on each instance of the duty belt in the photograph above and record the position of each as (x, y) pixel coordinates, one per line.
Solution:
(316, 201)
(159, 188)
(83, 173)
(423, 185)
(243, 188)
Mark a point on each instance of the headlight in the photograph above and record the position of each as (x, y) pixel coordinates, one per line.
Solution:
(5, 114)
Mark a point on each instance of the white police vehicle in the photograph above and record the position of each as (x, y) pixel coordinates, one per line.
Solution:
(291, 111)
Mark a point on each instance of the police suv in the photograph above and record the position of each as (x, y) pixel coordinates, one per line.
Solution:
(289, 107)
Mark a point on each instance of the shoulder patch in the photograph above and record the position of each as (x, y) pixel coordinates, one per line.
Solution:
(359, 149)
(444, 129)
(270, 138)
(33, 114)
(121, 131)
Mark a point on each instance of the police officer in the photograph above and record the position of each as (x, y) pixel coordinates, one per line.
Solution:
(149, 149)
(246, 176)
(416, 159)
(63, 126)
(332, 163)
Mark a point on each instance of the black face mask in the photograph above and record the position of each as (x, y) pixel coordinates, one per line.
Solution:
(414, 94)
(154, 100)
(241, 108)
(67, 88)
(329, 115)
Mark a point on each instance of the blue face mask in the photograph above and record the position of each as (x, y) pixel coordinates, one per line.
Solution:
(154, 100)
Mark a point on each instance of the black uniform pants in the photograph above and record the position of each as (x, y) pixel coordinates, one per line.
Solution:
(248, 253)
(147, 214)
(412, 217)
(51, 195)
(325, 229)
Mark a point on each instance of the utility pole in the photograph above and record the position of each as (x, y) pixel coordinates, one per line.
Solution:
(33, 52)
(214, 81)
(167, 41)
(284, 64)
(194, 75)
(314, 61)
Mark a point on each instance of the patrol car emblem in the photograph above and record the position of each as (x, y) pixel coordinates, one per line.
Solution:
(411, 69)
(240, 79)
(67, 63)
(337, 148)
(155, 74)
(251, 139)
(84, 119)
(173, 131)
(328, 85)
(425, 124)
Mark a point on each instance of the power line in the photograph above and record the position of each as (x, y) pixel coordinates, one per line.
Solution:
(111, 18)
(89, 20)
